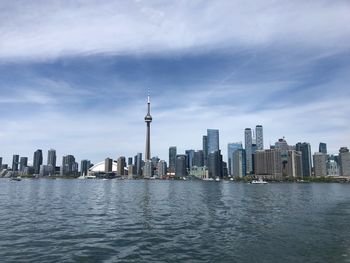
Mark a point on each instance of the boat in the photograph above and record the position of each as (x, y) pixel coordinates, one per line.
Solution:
(82, 177)
(217, 179)
(208, 179)
(90, 177)
(231, 179)
(16, 179)
(260, 181)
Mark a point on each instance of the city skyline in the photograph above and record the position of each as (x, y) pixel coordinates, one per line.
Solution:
(79, 86)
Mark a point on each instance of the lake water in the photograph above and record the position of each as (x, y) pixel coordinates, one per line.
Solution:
(173, 221)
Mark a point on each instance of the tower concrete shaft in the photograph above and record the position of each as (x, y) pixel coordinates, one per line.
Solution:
(148, 120)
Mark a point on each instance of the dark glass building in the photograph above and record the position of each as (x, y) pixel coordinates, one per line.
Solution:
(322, 148)
(172, 158)
(15, 162)
(305, 150)
(180, 165)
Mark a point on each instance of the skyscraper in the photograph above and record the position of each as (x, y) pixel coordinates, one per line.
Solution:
(305, 150)
(51, 158)
(121, 164)
(320, 164)
(198, 158)
(15, 162)
(84, 167)
(248, 143)
(138, 164)
(322, 148)
(213, 140)
(190, 158)
(180, 166)
(37, 160)
(259, 137)
(172, 159)
(148, 120)
(231, 148)
(205, 149)
(239, 163)
(344, 160)
(23, 163)
(215, 164)
(69, 166)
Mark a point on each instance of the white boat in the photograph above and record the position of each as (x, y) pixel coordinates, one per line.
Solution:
(90, 177)
(82, 177)
(231, 179)
(260, 181)
(217, 179)
(208, 179)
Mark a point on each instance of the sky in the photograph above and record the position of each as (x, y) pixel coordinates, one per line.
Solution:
(74, 75)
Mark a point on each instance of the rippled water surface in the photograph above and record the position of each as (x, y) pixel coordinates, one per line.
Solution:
(173, 221)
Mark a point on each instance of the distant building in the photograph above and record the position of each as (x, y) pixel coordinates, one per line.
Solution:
(305, 149)
(84, 167)
(199, 172)
(0, 162)
(130, 171)
(46, 170)
(268, 163)
(162, 168)
(344, 159)
(198, 158)
(69, 166)
(121, 165)
(172, 159)
(23, 163)
(189, 158)
(248, 142)
(332, 168)
(239, 163)
(205, 149)
(231, 148)
(15, 162)
(322, 148)
(320, 164)
(215, 164)
(213, 140)
(180, 165)
(259, 137)
(147, 169)
(129, 161)
(37, 160)
(109, 165)
(51, 157)
(138, 165)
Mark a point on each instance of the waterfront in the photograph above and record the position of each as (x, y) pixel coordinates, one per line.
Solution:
(173, 221)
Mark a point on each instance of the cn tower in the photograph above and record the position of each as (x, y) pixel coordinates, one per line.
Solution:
(148, 120)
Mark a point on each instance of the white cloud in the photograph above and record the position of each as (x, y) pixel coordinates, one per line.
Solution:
(50, 29)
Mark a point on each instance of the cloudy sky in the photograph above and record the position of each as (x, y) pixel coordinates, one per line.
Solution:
(74, 74)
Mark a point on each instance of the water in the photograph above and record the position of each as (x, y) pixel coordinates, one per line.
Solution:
(173, 221)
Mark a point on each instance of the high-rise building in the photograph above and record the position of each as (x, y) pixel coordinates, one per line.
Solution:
(130, 161)
(23, 163)
(248, 143)
(180, 165)
(320, 164)
(148, 169)
(172, 159)
(231, 148)
(322, 148)
(305, 149)
(0, 163)
(138, 164)
(121, 164)
(238, 163)
(108, 165)
(344, 160)
(51, 158)
(161, 168)
(148, 120)
(215, 164)
(332, 168)
(213, 140)
(84, 167)
(189, 158)
(268, 163)
(198, 158)
(259, 137)
(69, 166)
(15, 162)
(37, 160)
(205, 149)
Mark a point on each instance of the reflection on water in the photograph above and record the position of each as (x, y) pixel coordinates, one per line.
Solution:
(172, 221)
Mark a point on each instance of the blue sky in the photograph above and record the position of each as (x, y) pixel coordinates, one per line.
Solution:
(74, 75)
